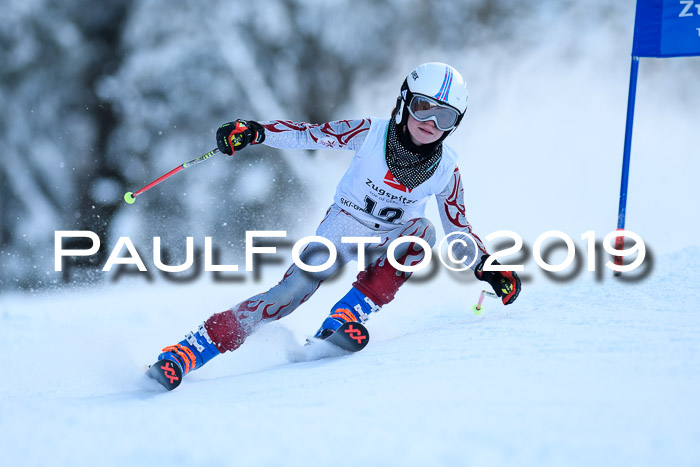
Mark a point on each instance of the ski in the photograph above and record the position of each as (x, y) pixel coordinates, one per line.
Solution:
(167, 372)
(351, 336)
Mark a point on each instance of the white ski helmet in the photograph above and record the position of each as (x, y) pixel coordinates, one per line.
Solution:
(446, 95)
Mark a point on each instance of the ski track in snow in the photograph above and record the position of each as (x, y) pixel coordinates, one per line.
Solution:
(579, 374)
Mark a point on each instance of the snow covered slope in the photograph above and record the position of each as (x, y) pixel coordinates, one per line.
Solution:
(579, 374)
(574, 373)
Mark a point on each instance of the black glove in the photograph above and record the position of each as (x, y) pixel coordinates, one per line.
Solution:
(234, 136)
(506, 284)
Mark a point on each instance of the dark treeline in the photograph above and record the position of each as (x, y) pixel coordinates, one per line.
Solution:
(99, 100)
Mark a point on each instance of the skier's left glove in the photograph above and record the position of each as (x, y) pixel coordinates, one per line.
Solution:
(506, 284)
(234, 136)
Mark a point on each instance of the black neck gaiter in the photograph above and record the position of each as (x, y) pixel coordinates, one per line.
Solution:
(410, 164)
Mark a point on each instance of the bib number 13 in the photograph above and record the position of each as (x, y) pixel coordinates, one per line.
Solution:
(388, 214)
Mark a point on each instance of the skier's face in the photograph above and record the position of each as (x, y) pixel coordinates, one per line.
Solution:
(423, 132)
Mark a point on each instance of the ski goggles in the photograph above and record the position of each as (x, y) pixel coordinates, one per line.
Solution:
(423, 108)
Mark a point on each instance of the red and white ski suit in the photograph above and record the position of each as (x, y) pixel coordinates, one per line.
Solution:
(369, 202)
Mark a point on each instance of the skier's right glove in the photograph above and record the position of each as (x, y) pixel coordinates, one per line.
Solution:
(234, 136)
(506, 284)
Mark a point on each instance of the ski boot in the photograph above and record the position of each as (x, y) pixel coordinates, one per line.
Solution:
(353, 307)
(187, 355)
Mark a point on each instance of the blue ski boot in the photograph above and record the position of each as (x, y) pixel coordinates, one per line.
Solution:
(354, 306)
(193, 352)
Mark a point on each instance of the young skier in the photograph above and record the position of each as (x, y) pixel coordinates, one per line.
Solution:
(399, 163)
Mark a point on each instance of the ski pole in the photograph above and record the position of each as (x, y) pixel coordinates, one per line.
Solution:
(478, 308)
(130, 197)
